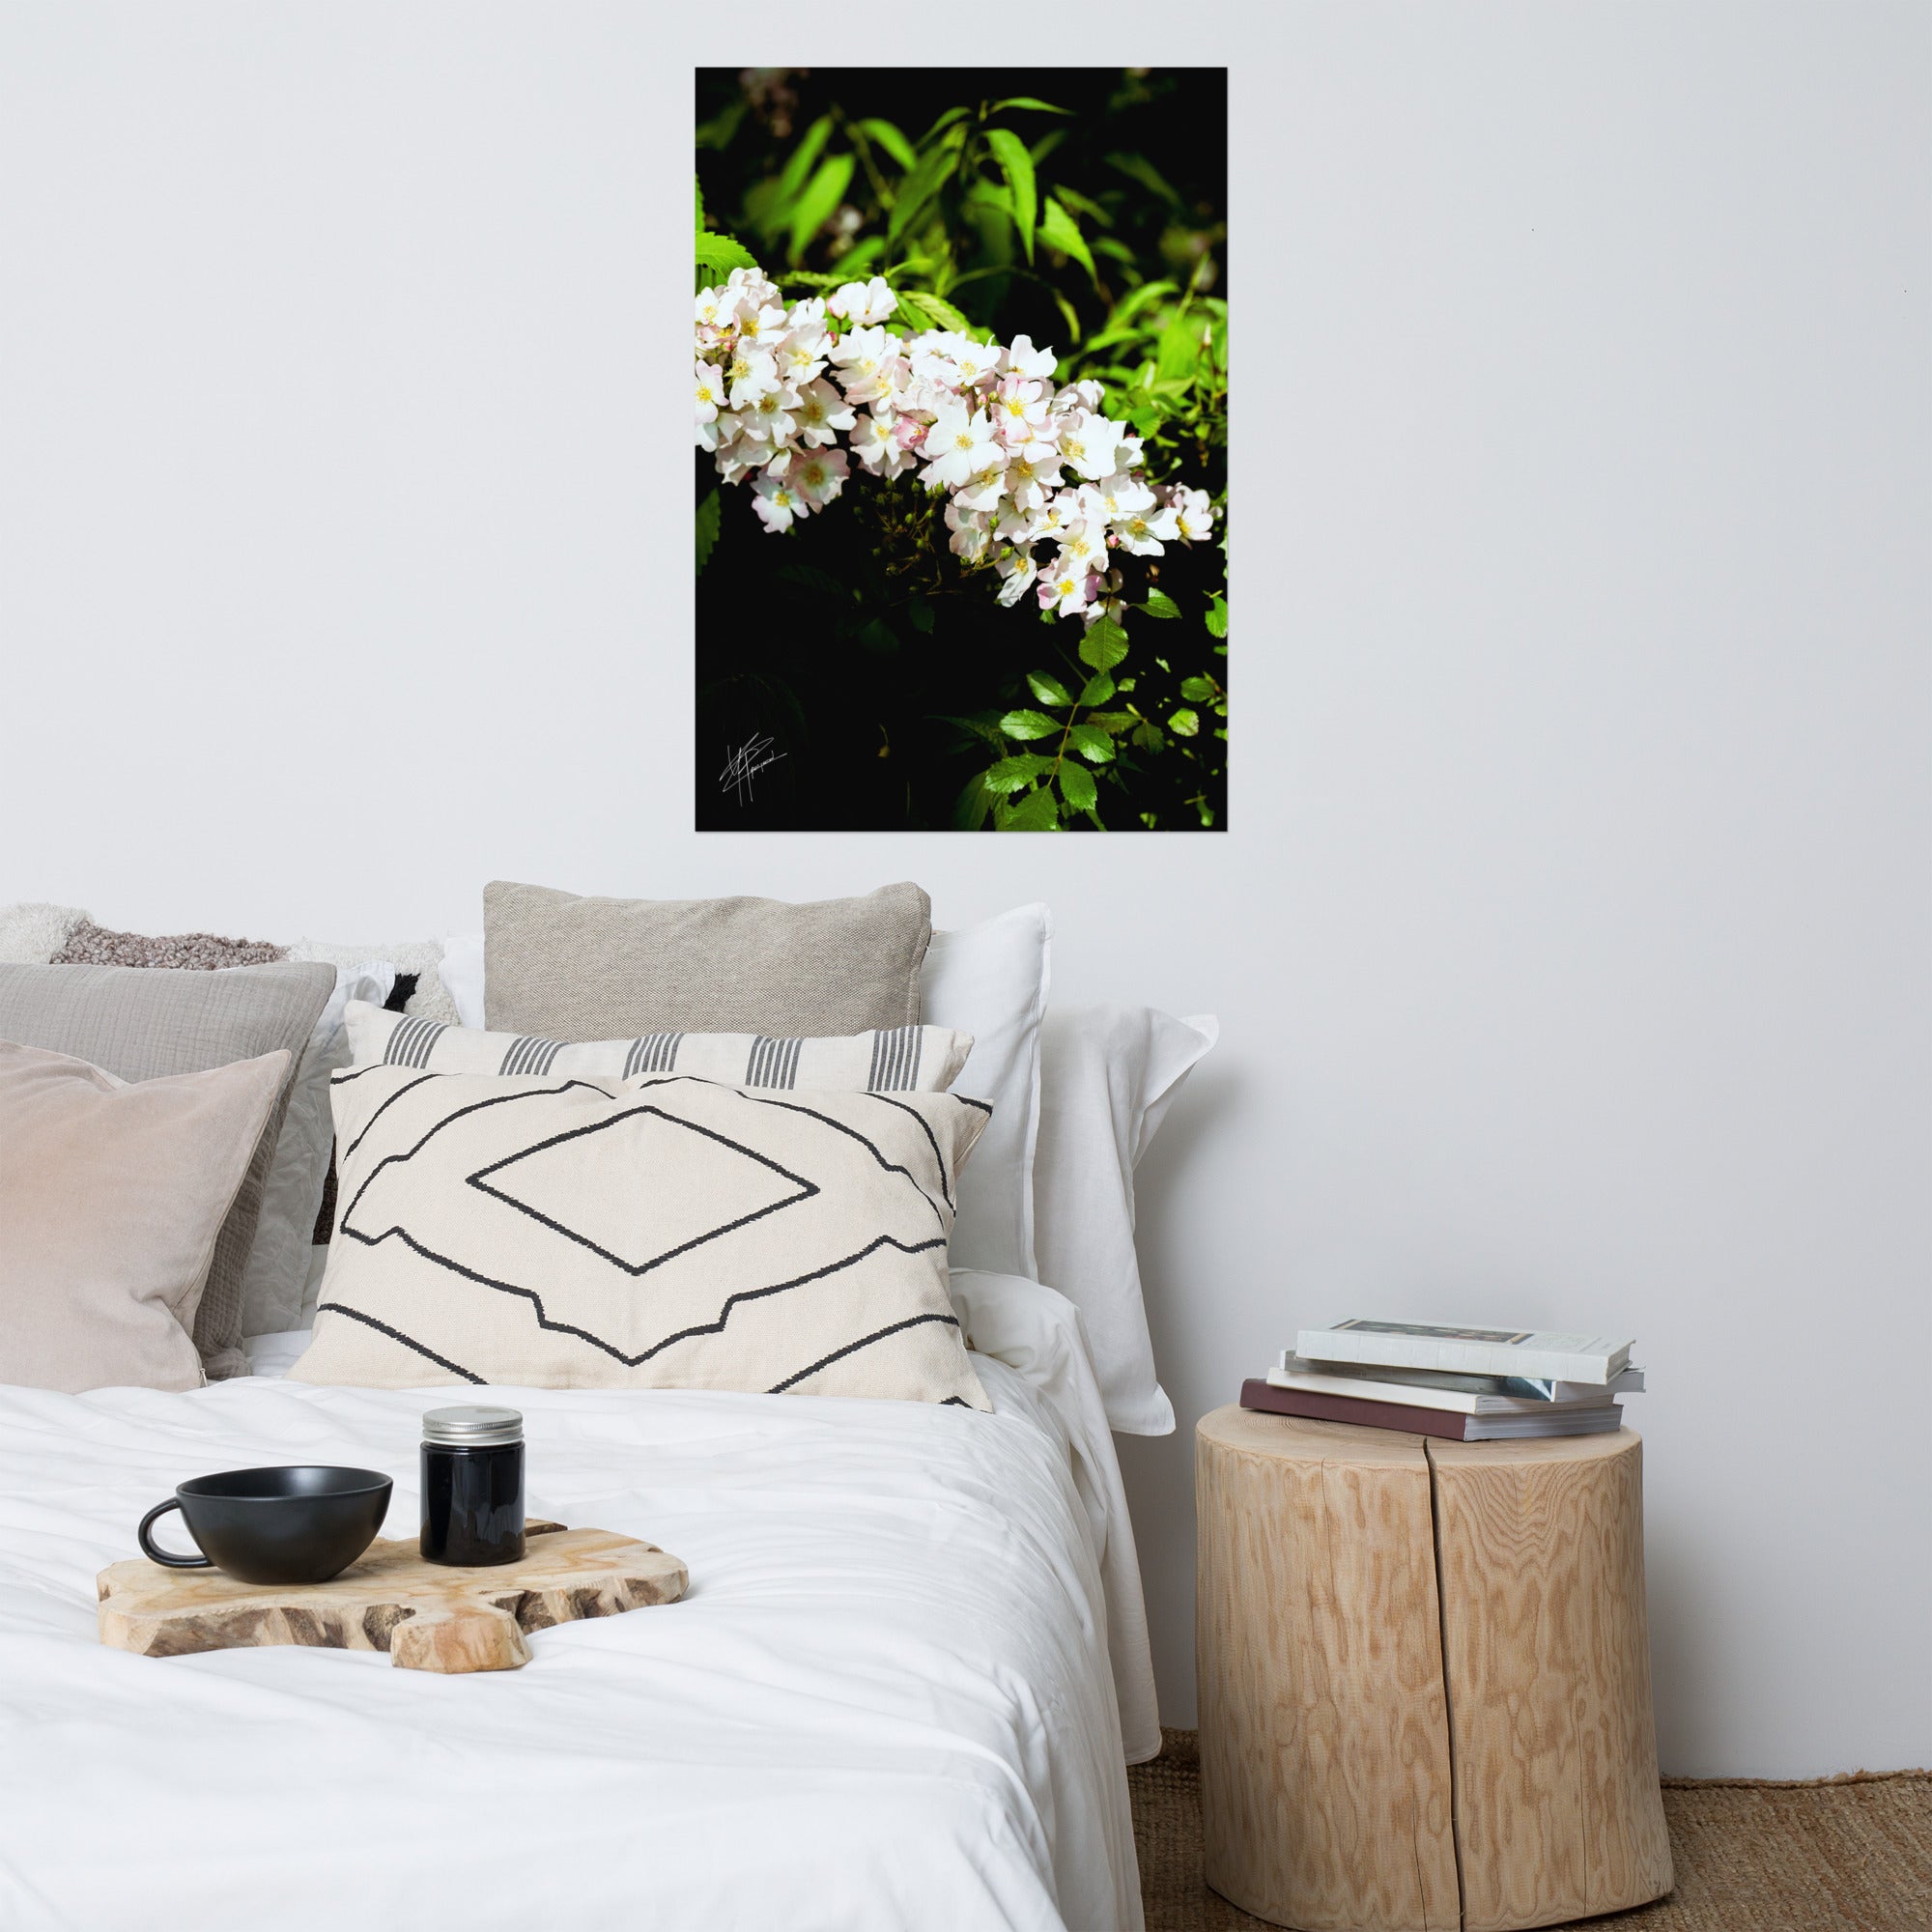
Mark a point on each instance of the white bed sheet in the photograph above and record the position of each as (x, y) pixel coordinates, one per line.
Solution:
(887, 1701)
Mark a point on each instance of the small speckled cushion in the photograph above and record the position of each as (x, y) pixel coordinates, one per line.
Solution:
(90, 945)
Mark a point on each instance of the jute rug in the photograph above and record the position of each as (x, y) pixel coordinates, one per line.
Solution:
(1850, 1854)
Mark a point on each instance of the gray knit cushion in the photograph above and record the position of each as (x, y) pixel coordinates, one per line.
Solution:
(141, 1025)
(569, 968)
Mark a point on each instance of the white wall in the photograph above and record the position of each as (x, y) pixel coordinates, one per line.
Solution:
(1571, 941)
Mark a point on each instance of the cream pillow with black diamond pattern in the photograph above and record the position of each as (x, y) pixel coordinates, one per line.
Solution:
(661, 1232)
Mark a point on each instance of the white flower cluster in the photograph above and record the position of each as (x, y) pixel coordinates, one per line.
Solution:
(1025, 464)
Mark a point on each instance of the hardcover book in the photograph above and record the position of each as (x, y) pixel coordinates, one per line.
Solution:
(1583, 1419)
(1467, 1350)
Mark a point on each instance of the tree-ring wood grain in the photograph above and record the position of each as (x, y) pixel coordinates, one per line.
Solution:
(426, 1615)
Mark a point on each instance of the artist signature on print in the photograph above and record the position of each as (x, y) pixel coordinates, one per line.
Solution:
(743, 766)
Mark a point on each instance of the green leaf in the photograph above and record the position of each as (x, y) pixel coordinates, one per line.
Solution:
(1059, 230)
(912, 309)
(1198, 690)
(1137, 167)
(943, 122)
(1028, 724)
(1097, 688)
(1028, 100)
(943, 312)
(877, 637)
(1010, 775)
(720, 254)
(1184, 724)
(1047, 687)
(709, 513)
(814, 206)
(1068, 315)
(891, 140)
(925, 181)
(1130, 305)
(1160, 605)
(1104, 646)
(1217, 617)
(700, 186)
(919, 614)
(1092, 209)
(1077, 787)
(971, 806)
(1149, 738)
(809, 576)
(1016, 164)
(1035, 812)
(1091, 742)
(812, 144)
(1180, 348)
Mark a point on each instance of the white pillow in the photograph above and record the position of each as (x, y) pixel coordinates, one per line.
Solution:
(1109, 1075)
(421, 957)
(277, 1265)
(992, 980)
(462, 973)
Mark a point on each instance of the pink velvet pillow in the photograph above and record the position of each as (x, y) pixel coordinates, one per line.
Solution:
(111, 1195)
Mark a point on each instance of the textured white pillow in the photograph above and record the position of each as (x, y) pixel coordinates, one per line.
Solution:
(992, 980)
(277, 1265)
(421, 957)
(1109, 1075)
(656, 1232)
(462, 973)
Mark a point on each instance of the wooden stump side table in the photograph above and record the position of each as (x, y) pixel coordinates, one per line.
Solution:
(1424, 1677)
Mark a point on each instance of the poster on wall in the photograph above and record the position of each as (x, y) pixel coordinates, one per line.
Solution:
(961, 465)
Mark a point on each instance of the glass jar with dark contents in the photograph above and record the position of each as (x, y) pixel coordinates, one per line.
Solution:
(473, 1485)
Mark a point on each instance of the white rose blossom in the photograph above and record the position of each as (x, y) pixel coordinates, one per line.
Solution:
(1024, 465)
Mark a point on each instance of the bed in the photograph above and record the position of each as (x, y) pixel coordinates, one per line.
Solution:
(900, 1693)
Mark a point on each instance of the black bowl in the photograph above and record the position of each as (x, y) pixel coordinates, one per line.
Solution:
(302, 1524)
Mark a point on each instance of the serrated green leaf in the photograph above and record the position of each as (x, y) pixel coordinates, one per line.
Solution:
(1047, 687)
(709, 513)
(944, 313)
(877, 637)
(1029, 100)
(1149, 737)
(1016, 164)
(971, 806)
(1097, 688)
(1160, 605)
(911, 310)
(1113, 721)
(1028, 724)
(1184, 724)
(1104, 646)
(1010, 774)
(719, 255)
(891, 140)
(1217, 617)
(1091, 742)
(1077, 787)
(815, 207)
(1059, 230)
(1197, 690)
(1035, 812)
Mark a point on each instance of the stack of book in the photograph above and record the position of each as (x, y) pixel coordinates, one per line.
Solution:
(1468, 1384)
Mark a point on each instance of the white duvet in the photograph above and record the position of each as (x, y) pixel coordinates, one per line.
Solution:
(887, 1702)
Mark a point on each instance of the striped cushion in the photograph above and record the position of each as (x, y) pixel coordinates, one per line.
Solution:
(897, 1059)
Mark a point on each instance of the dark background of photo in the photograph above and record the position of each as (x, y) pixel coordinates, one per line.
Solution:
(853, 674)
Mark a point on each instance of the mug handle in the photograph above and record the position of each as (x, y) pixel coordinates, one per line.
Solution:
(154, 1551)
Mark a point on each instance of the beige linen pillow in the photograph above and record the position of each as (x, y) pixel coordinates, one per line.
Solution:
(141, 1025)
(654, 1232)
(112, 1195)
(570, 968)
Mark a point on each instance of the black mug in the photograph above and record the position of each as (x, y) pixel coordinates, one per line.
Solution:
(300, 1524)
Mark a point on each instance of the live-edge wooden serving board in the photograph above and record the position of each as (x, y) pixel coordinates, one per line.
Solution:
(427, 1616)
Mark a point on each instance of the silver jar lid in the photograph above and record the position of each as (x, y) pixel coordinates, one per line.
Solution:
(472, 1428)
